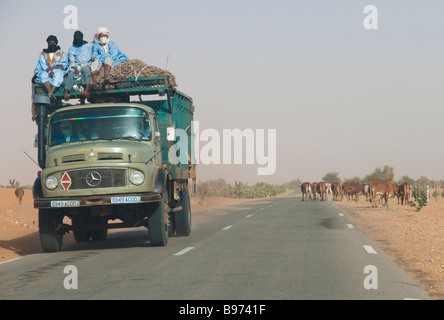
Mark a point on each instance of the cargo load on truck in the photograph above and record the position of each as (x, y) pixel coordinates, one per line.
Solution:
(136, 69)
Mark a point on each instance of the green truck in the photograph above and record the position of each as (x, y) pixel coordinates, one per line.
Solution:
(105, 164)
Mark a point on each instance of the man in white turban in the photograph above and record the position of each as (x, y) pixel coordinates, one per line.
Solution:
(105, 54)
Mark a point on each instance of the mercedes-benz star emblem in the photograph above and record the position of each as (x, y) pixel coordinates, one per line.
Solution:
(93, 178)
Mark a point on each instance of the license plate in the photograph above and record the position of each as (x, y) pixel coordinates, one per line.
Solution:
(65, 203)
(134, 199)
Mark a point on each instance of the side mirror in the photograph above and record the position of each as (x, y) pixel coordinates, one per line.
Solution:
(171, 134)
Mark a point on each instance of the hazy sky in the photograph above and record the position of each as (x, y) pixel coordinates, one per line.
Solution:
(341, 98)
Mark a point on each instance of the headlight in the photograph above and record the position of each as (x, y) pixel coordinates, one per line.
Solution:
(137, 178)
(51, 183)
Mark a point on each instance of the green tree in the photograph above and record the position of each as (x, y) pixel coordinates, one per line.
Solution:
(293, 184)
(331, 177)
(422, 181)
(407, 179)
(386, 173)
(13, 183)
(355, 179)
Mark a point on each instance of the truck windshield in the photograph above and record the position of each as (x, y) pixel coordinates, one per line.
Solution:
(100, 123)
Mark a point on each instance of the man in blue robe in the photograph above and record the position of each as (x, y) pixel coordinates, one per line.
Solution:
(79, 58)
(66, 133)
(105, 54)
(51, 66)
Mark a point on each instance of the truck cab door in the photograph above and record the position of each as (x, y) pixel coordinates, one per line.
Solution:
(157, 142)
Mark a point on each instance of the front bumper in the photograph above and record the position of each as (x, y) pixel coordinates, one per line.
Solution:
(96, 200)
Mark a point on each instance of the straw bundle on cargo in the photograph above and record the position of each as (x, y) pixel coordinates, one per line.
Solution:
(137, 69)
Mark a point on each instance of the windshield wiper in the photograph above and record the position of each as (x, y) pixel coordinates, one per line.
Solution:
(129, 138)
(100, 138)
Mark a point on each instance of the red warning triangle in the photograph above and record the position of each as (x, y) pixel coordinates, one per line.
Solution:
(66, 181)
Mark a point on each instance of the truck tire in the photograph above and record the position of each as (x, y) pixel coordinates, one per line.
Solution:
(182, 219)
(157, 226)
(51, 238)
(79, 221)
(98, 234)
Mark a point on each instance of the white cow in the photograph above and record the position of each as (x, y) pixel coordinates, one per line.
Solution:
(328, 190)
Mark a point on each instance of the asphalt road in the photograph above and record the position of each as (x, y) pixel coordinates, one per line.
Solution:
(275, 249)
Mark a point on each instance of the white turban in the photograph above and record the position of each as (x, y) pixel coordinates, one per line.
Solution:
(99, 31)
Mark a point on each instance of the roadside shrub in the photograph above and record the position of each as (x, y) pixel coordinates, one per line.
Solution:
(259, 190)
(420, 196)
(241, 190)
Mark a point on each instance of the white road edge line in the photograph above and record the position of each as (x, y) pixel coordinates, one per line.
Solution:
(226, 228)
(10, 260)
(370, 249)
(181, 252)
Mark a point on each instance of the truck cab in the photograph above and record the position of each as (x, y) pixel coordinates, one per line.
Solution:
(105, 164)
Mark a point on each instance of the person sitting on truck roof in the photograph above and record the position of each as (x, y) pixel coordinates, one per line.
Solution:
(105, 54)
(66, 133)
(51, 66)
(79, 58)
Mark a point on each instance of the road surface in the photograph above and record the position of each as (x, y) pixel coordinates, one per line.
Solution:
(274, 249)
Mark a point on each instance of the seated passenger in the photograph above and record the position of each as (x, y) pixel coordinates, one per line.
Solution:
(51, 66)
(143, 130)
(79, 58)
(66, 133)
(105, 54)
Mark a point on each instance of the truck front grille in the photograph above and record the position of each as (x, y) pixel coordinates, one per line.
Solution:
(74, 158)
(109, 156)
(97, 178)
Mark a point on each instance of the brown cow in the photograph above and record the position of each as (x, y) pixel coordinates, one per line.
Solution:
(321, 188)
(305, 189)
(383, 186)
(313, 187)
(19, 193)
(404, 193)
(336, 189)
(352, 189)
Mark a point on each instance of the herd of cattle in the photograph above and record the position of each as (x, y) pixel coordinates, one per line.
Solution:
(376, 191)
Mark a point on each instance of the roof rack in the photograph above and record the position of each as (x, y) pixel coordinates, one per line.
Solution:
(115, 91)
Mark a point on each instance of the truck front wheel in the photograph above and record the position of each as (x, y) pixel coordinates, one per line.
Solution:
(182, 219)
(157, 223)
(51, 235)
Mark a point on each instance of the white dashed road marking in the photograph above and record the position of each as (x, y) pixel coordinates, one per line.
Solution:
(181, 252)
(226, 228)
(370, 249)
